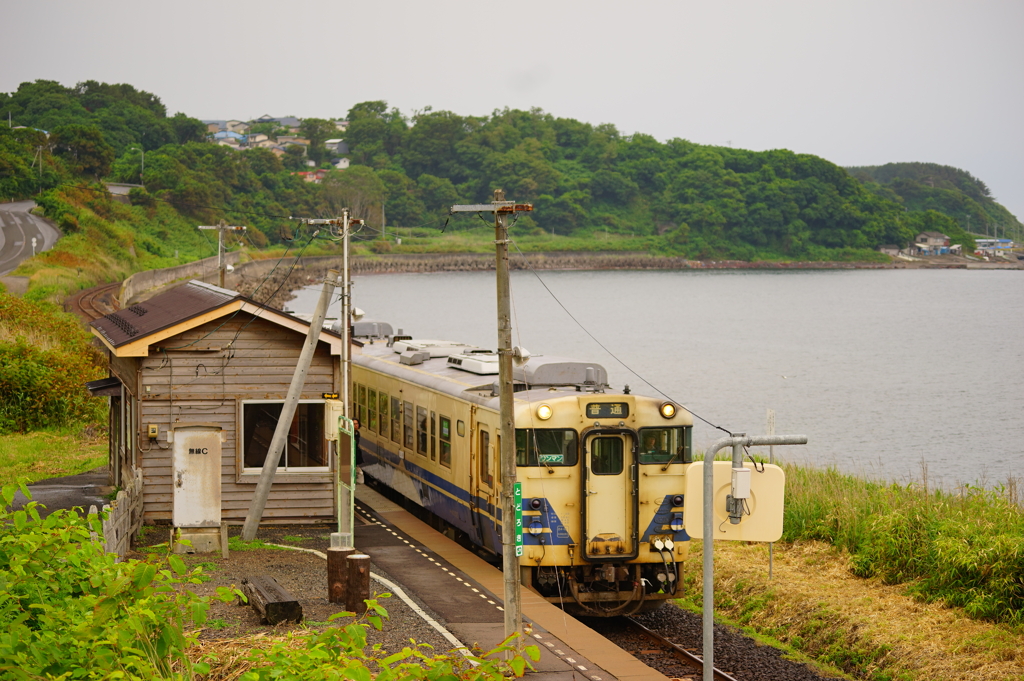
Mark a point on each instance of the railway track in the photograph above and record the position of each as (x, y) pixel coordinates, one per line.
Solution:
(654, 650)
(688, 658)
(94, 302)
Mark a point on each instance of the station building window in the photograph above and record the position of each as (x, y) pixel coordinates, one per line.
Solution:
(305, 448)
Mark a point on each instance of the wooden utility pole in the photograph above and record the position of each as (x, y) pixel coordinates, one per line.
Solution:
(509, 546)
(220, 227)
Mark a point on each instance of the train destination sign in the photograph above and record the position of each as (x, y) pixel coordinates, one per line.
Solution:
(607, 410)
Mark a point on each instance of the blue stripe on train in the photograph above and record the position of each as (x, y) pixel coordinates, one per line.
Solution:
(435, 494)
(660, 522)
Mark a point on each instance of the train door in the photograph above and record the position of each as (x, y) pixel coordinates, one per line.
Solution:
(610, 493)
(484, 497)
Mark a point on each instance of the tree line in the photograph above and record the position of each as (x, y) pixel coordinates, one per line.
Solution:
(689, 200)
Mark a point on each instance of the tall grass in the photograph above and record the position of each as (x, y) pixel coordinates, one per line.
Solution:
(964, 547)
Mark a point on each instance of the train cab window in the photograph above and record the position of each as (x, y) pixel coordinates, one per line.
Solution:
(546, 447)
(445, 441)
(606, 456)
(371, 409)
(421, 430)
(485, 458)
(664, 445)
(408, 423)
(433, 436)
(396, 420)
(384, 427)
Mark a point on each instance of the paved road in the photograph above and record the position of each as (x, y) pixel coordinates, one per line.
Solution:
(17, 228)
(84, 490)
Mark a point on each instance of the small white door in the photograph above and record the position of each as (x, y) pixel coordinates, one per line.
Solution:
(196, 472)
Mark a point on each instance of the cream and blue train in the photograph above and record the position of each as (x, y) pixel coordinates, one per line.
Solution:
(603, 473)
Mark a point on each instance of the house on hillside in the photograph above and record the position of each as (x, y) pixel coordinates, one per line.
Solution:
(931, 243)
(336, 146)
(200, 361)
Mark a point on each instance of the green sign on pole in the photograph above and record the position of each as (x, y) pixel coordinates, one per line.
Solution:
(517, 492)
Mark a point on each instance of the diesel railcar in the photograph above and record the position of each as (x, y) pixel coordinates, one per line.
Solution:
(603, 473)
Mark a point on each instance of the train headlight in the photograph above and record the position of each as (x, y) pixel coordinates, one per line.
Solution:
(544, 412)
(536, 504)
(535, 528)
(668, 410)
(677, 500)
(676, 523)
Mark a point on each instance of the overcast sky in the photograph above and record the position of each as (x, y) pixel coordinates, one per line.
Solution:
(859, 83)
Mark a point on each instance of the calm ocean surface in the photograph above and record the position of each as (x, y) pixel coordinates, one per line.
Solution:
(888, 372)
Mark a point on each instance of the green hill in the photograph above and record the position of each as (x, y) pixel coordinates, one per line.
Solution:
(591, 184)
(948, 190)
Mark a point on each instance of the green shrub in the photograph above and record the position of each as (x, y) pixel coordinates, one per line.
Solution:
(45, 359)
(70, 611)
(341, 652)
(964, 548)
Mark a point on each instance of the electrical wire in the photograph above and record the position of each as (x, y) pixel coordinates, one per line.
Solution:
(602, 345)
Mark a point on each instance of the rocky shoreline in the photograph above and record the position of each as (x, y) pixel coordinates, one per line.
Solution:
(275, 282)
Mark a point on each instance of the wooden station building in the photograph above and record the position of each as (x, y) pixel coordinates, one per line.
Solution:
(200, 361)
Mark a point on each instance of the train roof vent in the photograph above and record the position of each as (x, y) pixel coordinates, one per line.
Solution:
(481, 362)
(436, 348)
(552, 371)
(412, 358)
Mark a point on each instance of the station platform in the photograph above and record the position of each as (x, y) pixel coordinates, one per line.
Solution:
(464, 590)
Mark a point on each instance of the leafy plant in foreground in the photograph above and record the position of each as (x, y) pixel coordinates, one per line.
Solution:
(341, 652)
(71, 611)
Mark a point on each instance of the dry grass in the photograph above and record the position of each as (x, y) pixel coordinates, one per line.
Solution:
(226, 657)
(816, 603)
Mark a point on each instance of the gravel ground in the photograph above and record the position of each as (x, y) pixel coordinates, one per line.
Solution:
(304, 575)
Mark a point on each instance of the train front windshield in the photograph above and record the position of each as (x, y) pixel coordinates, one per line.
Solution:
(662, 445)
(546, 447)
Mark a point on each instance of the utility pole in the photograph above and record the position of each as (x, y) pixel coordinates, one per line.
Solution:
(344, 536)
(220, 227)
(291, 401)
(510, 548)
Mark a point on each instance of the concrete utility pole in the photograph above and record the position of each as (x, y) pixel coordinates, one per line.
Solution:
(220, 244)
(345, 489)
(510, 558)
(259, 502)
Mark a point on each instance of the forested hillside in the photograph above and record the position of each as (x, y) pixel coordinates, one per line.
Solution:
(951, 191)
(672, 197)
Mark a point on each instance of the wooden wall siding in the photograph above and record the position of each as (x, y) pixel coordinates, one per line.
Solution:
(187, 385)
(125, 368)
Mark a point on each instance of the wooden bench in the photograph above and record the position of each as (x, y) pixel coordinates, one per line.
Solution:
(271, 600)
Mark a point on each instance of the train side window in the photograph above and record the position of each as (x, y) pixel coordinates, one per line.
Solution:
(662, 445)
(606, 456)
(371, 409)
(396, 420)
(433, 436)
(460, 428)
(361, 403)
(385, 421)
(409, 435)
(485, 458)
(421, 430)
(546, 447)
(445, 443)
